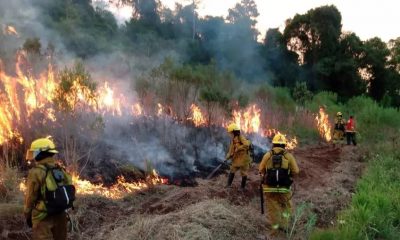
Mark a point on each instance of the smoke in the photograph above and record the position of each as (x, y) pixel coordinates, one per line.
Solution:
(175, 149)
(25, 17)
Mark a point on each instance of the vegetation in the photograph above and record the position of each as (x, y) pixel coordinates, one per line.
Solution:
(374, 212)
(312, 48)
(218, 63)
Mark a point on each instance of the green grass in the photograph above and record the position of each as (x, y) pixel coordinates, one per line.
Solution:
(374, 212)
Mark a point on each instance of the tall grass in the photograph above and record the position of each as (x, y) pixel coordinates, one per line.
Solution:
(9, 176)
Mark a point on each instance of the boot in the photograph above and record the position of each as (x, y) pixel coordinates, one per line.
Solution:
(230, 179)
(244, 179)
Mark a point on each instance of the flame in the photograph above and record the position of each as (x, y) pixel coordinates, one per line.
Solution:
(22, 186)
(108, 102)
(10, 30)
(117, 191)
(248, 120)
(160, 109)
(323, 125)
(137, 109)
(23, 94)
(197, 116)
(291, 143)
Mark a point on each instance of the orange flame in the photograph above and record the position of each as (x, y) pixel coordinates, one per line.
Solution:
(117, 191)
(10, 30)
(323, 125)
(248, 120)
(108, 102)
(197, 116)
(137, 110)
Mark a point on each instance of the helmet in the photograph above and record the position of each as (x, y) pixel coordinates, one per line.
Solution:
(233, 127)
(40, 145)
(339, 114)
(279, 139)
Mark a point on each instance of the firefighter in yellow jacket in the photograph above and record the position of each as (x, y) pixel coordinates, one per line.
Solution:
(239, 153)
(43, 226)
(339, 129)
(277, 168)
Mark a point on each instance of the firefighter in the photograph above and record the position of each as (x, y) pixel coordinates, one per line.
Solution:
(339, 129)
(351, 131)
(276, 170)
(239, 154)
(43, 226)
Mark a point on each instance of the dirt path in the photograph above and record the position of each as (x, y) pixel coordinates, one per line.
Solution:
(327, 179)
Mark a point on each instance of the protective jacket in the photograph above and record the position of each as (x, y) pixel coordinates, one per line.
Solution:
(339, 124)
(36, 187)
(288, 162)
(239, 151)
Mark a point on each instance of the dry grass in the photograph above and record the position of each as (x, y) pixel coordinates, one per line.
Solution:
(9, 184)
(210, 219)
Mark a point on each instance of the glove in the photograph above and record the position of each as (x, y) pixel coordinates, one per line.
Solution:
(28, 218)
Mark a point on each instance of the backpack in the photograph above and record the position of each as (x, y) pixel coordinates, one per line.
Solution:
(57, 190)
(278, 176)
(339, 125)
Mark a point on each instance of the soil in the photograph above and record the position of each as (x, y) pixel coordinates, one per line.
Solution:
(327, 179)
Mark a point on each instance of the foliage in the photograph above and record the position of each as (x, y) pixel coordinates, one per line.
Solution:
(32, 45)
(301, 94)
(75, 83)
(312, 48)
(374, 211)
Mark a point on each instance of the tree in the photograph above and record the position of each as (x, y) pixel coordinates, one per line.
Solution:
(394, 47)
(245, 14)
(314, 36)
(279, 61)
(376, 53)
(345, 78)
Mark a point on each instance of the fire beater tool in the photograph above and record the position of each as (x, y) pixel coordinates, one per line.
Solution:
(216, 169)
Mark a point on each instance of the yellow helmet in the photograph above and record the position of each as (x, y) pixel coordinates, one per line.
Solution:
(339, 114)
(279, 139)
(233, 127)
(40, 145)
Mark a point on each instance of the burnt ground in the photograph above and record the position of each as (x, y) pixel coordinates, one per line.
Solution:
(326, 181)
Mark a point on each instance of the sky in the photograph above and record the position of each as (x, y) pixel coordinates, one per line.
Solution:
(367, 18)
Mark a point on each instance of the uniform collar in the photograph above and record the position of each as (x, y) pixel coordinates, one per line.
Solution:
(278, 150)
(48, 160)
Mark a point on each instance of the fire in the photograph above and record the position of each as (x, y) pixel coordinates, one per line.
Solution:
(108, 102)
(10, 30)
(248, 119)
(137, 109)
(23, 94)
(160, 109)
(197, 116)
(117, 191)
(291, 143)
(323, 125)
